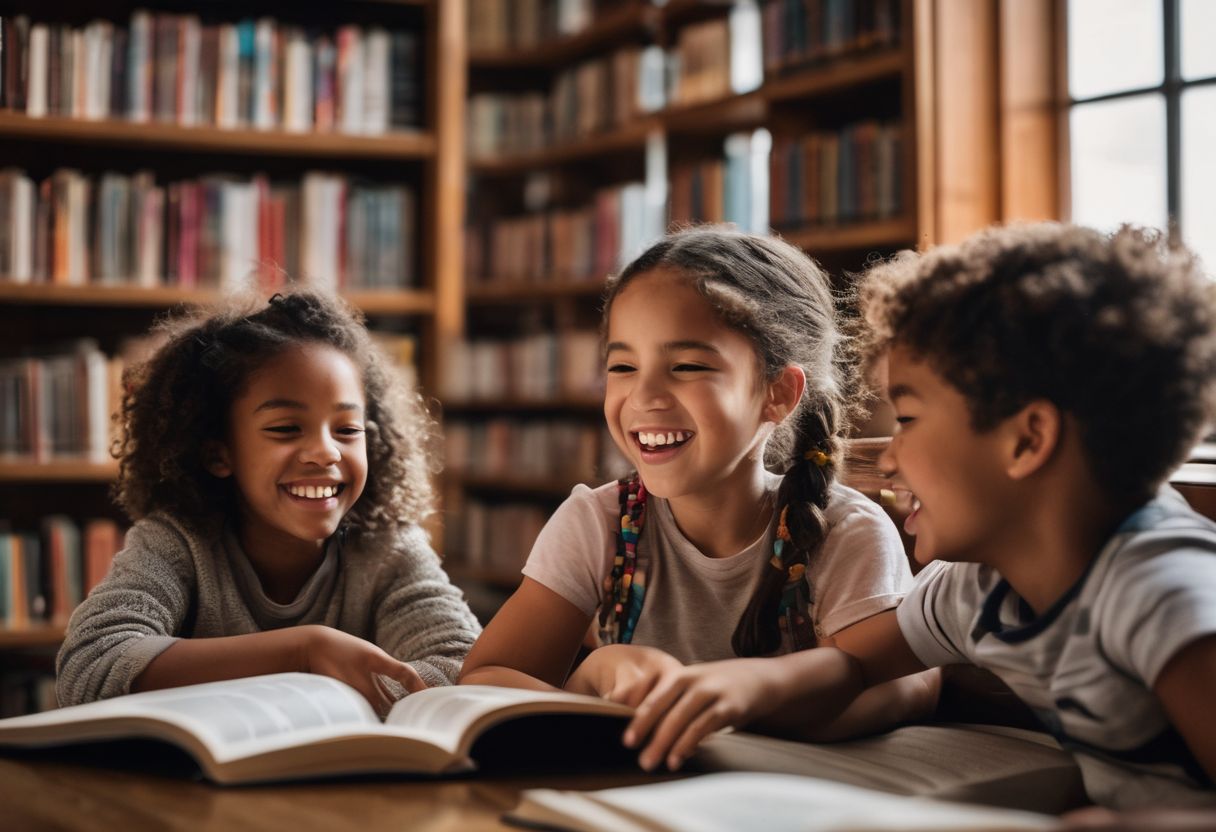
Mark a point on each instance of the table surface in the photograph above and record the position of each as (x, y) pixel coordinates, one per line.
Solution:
(53, 793)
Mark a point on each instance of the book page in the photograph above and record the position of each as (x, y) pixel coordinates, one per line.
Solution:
(231, 718)
(766, 801)
(450, 712)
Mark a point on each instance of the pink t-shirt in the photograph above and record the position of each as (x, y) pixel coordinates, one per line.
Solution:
(693, 602)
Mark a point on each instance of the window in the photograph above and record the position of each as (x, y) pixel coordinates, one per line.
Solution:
(1142, 116)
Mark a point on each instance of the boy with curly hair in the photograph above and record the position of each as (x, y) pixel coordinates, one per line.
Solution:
(1046, 380)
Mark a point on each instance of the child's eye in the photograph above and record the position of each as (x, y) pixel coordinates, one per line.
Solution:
(283, 429)
(620, 368)
(904, 420)
(350, 430)
(689, 368)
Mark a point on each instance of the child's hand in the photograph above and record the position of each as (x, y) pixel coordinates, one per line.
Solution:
(356, 662)
(621, 672)
(686, 705)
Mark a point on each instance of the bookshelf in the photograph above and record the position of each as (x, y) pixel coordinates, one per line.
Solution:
(419, 152)
(920, 76)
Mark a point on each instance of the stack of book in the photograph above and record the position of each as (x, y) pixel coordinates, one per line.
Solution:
(731, 188)
(499, 25)
(538, 367)
(251, 74)
(802, 32)
(719, 57)
(215, 231)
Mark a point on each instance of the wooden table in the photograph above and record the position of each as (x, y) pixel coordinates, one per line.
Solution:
(37, 793)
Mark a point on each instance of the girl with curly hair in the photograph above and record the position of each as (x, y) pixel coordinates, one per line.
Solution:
(276, 472)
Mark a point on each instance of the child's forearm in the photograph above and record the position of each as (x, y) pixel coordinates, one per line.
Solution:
(194, 660)
(812, 689)
(504, 677)
(875, 709)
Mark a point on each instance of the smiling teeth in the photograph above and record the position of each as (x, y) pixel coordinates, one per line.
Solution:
(313, 492)
(656, 439)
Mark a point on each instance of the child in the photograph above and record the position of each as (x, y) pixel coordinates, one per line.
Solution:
(276, 474)
(1046, 379)
(723, 351)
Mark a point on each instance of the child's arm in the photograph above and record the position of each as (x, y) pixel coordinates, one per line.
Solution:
(1186, 687)
(310, 649)
(802, 693)
(531, 642)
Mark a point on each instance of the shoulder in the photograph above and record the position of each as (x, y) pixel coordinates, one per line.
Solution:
(165, 535)
(405, 547)
(853, 512)
(590, 508)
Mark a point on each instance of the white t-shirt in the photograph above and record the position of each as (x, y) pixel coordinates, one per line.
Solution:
(693, 602)
(1087, 666)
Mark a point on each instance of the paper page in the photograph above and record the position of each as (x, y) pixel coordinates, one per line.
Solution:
(776, 802)
(449, 711)
(237, 716)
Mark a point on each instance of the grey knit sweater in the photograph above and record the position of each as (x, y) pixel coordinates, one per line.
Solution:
(169, 583)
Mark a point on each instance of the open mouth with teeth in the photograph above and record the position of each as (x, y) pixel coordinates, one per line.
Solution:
(315, 492)
(662, 440)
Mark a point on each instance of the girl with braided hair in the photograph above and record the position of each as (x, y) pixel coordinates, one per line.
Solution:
(733, 547)
(276, 472)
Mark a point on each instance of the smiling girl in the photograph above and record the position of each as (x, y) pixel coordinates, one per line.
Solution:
(276, 473)
(727, 379)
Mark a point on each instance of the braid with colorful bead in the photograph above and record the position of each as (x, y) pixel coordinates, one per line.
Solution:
(625, 586)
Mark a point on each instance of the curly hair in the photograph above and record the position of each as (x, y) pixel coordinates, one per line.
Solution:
(1117, 330)
(179, 399)
(783, 302)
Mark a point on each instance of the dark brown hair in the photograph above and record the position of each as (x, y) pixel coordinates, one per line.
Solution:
(1117, 330)
(782, 301)
(180, 398)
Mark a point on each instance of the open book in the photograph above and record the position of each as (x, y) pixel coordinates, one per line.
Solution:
(295, 725)
(773, 802)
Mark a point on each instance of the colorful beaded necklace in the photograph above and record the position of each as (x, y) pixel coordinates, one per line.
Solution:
(625, 586)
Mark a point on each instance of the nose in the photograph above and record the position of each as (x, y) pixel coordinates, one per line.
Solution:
(321, 449)
(886, 461)
(650, 392)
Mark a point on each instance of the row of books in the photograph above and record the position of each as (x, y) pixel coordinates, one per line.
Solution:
(499, 25)
(26, 692)
(59, 406)
(175, 68)
(827, 177)
(580, 243)
(801, 32)
(529, 449)
(44, 575)
(719, 57)
(711, 60)
(495, 537)
(215, 231)
(731, 188)
(538, 367)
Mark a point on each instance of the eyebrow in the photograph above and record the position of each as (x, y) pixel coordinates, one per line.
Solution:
(291, 404)
(670, 346)
(899, 391)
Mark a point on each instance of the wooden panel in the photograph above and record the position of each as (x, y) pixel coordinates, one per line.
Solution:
(1028, 124)
(402, 145)
(966, 113)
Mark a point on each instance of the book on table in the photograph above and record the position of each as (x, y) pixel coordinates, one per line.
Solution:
(299, 725)
(750, 800)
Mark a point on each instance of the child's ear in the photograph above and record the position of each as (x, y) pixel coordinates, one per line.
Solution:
(1034, 437)
(215, 459)
(784, 393)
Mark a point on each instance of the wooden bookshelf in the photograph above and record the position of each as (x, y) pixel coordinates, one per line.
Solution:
(406, 302)
(430, 160)
(31, 636)
(554, 488)
(510, 291)
(857, 236)
(622, 20)
(563, 405)
(58, 471)
(164, 136)
(938, 83)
